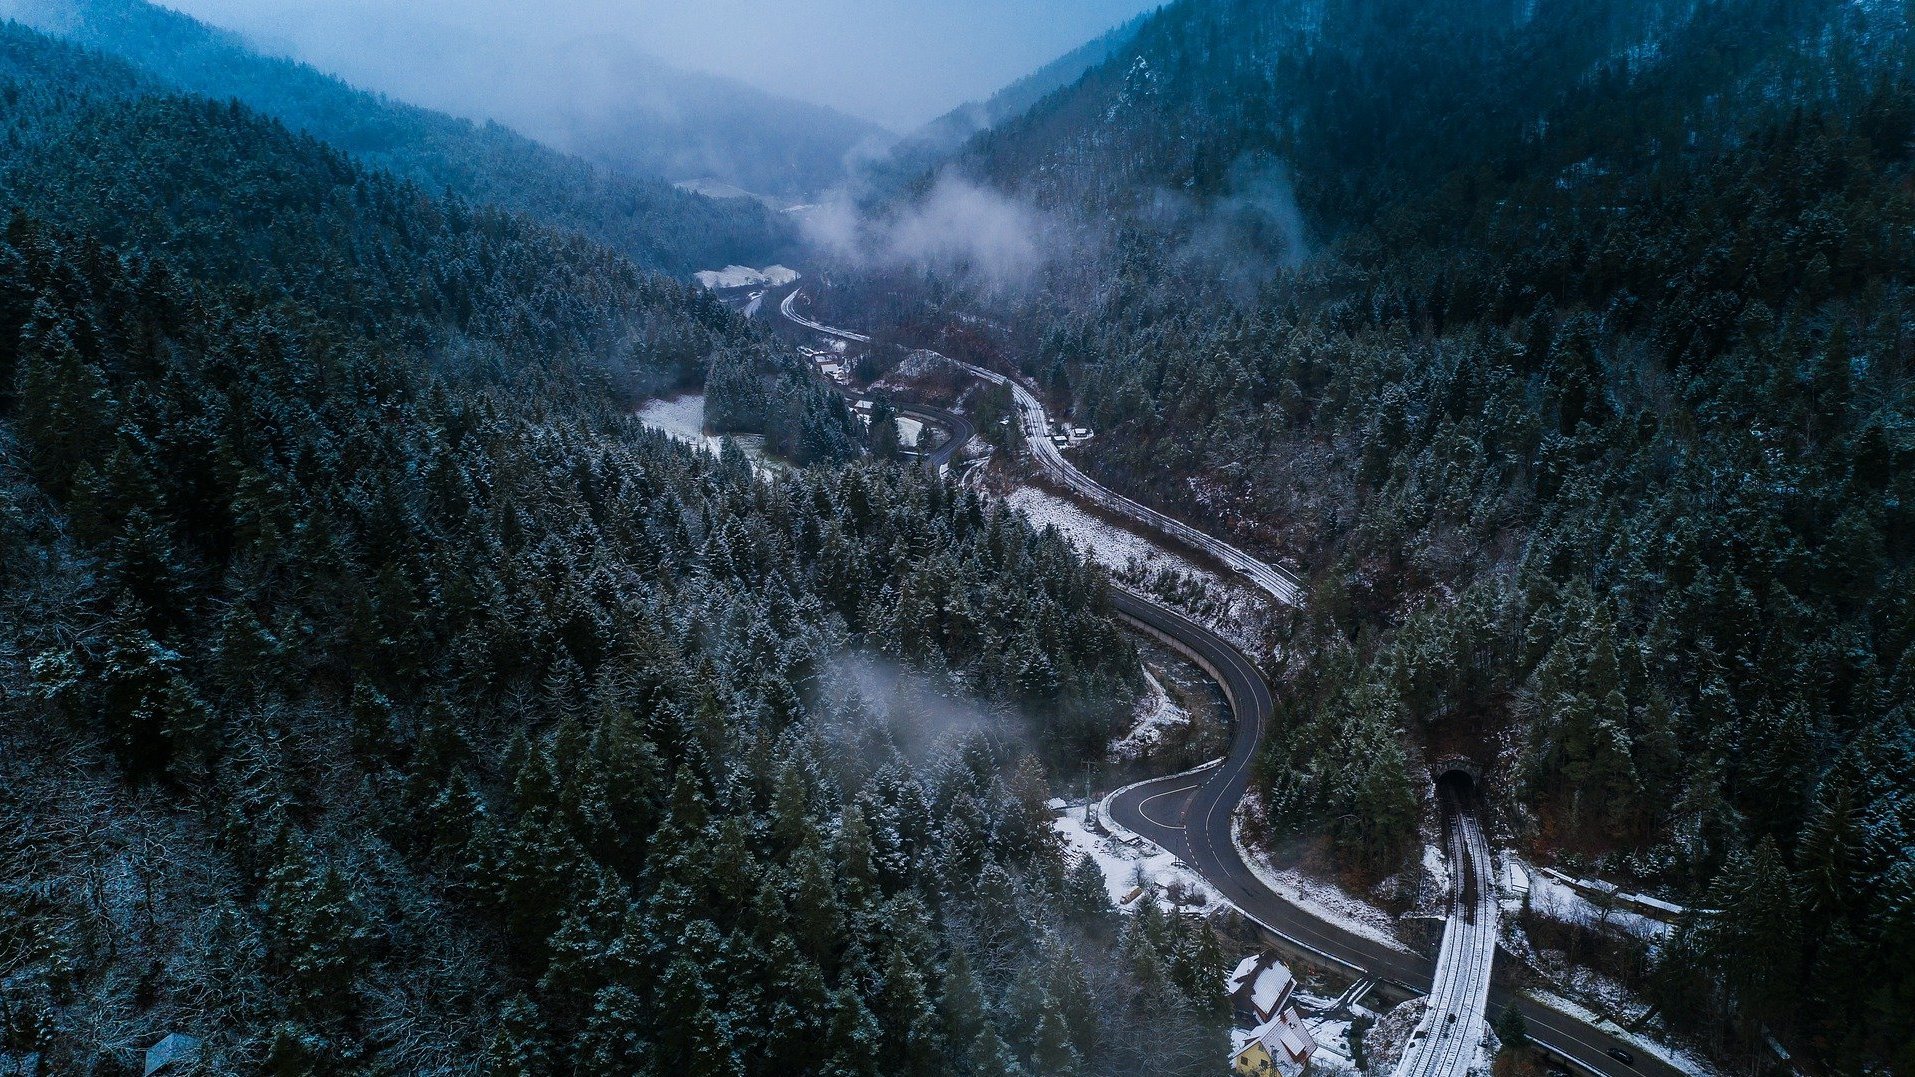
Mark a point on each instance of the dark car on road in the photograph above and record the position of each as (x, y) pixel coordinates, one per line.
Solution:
(1622, 1056)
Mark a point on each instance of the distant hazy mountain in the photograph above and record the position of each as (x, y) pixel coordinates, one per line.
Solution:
(642, 216)
(921, 150)
(950, 130)
(610, 102)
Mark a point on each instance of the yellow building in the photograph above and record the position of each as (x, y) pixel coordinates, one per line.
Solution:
(1254, 1061)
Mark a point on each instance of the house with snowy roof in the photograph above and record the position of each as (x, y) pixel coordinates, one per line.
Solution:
(1259, 987)
(1271, 1040)
(1280, 1047)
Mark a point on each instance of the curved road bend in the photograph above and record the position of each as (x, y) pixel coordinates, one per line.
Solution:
(1190, 816)
(958, 432)
(1036, 425)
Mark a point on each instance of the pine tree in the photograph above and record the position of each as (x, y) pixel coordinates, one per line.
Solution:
(1752, 934)
(321, 935)
(64, 404)
(851, 1044)
(1512, 1027)
(989, 1056)
(520, 1046)
(961, 1002)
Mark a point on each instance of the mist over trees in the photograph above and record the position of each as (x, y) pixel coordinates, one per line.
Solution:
(1588, 407)
(637, 214)
(380, 697)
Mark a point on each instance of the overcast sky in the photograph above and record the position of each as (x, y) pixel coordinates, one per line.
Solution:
(898, 62)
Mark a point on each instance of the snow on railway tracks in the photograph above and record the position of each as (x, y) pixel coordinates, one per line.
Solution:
(1448, 1040)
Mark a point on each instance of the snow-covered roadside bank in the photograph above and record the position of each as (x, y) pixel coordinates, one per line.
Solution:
(1231, 610)
(1555, 900)
(1674, 1056)
(1326, 900)
(1156, 715)
(1133, 867)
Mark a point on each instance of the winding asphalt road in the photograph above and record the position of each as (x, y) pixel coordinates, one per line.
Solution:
(958, 432)
(1190, 815)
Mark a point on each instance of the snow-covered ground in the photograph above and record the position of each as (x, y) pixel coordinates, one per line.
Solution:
(1437, 867)
(1129, 868)
(1332, 1033)
(682, 418)
(1553, 899)
(745, 277)
(1156, 714)
(1327, 900)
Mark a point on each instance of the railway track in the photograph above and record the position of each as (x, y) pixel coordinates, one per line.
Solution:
(1446, 1040)
(1202, 835)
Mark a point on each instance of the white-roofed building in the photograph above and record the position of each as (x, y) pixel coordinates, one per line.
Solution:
(1280, 1046)
(1272, 1040)
(1259, 986)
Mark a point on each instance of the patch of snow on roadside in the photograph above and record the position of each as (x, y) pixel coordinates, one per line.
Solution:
(1674, 1056)
(1156, 712)
(779, 276)
(730, 277)
(1112, 547)
(1128, 868)
(1437, 866)
(1326, 900)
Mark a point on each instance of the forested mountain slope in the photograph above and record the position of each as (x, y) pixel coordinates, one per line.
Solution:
(641, 216)
(375, 696)
(1574, 361)
(929, 145)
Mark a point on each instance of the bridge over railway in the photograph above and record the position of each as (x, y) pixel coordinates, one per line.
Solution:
(1446, 1041)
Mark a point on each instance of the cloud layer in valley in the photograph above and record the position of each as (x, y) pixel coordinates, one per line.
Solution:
(958, 229)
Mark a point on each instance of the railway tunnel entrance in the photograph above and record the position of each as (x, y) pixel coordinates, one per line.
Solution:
(1458, 797)
(1457, 788)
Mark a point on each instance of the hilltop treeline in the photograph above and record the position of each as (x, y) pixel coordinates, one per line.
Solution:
(377, 696)
(1568, 349)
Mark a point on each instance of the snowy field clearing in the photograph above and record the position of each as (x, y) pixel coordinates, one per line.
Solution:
(682, 418)
(745, 277)
(1126, 868)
